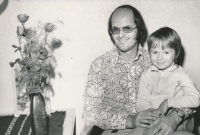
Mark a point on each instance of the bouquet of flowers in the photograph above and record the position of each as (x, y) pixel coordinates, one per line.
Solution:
(32, 69)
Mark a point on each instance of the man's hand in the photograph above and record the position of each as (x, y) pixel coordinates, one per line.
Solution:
(142, 119)
(165, 125)
(163, 106)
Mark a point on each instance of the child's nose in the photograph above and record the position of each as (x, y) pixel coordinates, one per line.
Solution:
(160, 56)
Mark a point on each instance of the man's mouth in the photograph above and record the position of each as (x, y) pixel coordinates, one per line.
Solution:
(123, 40)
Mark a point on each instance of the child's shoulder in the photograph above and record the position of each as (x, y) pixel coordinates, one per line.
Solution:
(180, 71)
(147, 71)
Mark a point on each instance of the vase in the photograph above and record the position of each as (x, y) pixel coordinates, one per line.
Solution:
(38, 114)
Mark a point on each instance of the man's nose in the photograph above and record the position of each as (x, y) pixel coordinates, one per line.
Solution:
(121, 33)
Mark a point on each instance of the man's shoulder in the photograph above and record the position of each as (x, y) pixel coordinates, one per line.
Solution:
(144, 50)
(144, 54)
(111, 54)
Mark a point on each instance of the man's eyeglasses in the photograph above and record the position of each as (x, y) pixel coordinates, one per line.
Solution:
(126, 29)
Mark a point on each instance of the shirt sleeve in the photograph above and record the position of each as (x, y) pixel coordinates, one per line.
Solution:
(94, 112)
(143, 101)
(91, 100)
(190, 99)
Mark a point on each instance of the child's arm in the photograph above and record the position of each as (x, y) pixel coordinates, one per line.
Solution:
(160, 112)
(190, 99)
(143, 97)
(163, 106)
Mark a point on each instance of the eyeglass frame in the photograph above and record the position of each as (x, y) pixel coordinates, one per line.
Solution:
(122, 28)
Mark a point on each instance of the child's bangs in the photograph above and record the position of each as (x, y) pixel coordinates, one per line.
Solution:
(160, 42)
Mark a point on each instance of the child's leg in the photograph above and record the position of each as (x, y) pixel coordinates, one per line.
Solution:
(149, 130)
(181, 133)
(137, 131)
(187, 125)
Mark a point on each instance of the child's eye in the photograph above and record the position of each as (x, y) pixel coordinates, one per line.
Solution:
(154, 52)
(166, 52)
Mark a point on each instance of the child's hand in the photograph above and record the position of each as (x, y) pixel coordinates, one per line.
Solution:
(158, 113)
(163, 106)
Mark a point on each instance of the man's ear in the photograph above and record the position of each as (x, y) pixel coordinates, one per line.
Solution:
(111, 37)
(109, 32)
(177, 55)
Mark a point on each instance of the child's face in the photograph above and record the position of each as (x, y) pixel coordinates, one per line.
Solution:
(162, 58)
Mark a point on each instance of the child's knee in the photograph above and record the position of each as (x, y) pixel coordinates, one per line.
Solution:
(136, 131)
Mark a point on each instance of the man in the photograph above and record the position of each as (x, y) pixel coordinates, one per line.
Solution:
(113, 81)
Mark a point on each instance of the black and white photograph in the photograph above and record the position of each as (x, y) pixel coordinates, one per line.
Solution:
(99, 67)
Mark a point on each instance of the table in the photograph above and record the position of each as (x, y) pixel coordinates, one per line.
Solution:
(61, 123)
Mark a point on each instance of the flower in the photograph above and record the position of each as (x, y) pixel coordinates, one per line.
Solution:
(36, 60)
(12, 64)
(95, 90)
(43, 53)
(124, 81)
(20, 31)
(136, 70)
(49, 27)
(23, 18)
(104, 114)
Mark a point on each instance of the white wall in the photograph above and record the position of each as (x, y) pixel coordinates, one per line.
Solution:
(84, 37)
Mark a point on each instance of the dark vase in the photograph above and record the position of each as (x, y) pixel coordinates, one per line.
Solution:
(38, 114)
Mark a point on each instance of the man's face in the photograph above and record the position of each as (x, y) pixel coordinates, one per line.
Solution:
(124, 19)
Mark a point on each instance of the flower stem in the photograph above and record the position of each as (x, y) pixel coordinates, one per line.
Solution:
(20, 48)
(45, 40)
(22, 73)
(23, 25)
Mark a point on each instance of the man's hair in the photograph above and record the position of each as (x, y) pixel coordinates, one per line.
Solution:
(138, 20)
(166, 37)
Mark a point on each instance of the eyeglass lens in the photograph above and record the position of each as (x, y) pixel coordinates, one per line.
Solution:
(126, 29)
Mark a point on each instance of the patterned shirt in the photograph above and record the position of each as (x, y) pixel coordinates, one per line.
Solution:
(111, 89)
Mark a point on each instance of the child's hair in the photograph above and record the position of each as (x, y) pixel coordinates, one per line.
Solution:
(166, 37)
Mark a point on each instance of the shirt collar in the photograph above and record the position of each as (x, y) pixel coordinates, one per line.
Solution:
(169, 69)
(139, 53)
(117, 56)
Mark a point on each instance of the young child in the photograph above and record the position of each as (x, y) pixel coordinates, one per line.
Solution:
(165, 84)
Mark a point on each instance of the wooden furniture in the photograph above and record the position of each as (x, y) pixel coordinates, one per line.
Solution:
(62, 122)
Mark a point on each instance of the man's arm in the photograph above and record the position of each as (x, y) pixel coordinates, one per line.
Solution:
(90, 109)
(94, 111)
(86, 130)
